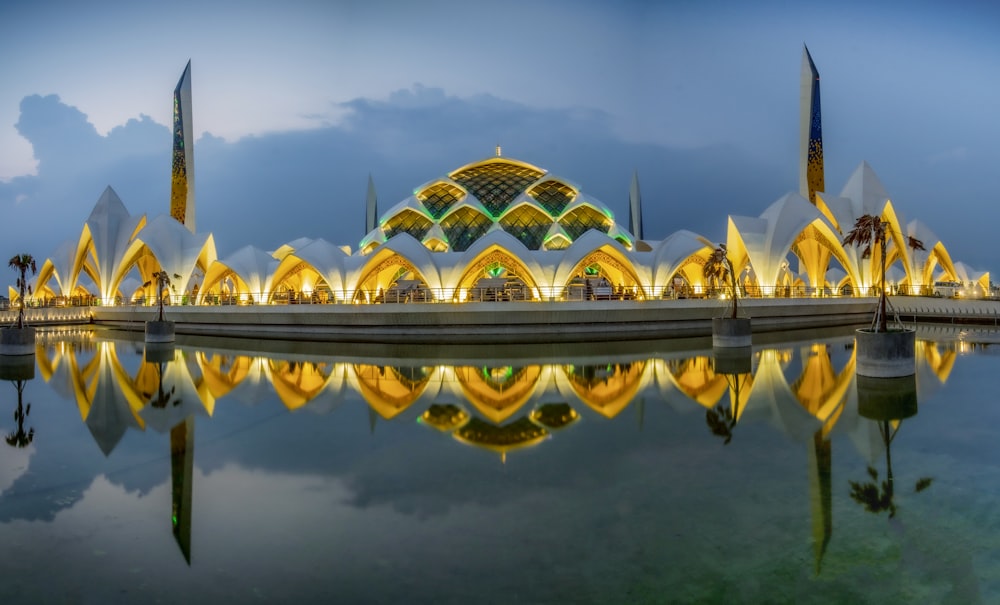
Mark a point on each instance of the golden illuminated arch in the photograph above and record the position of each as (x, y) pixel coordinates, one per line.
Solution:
(296, 275)
(696, 378)
(814, 246)
(298, 382)
(691, 270)
(374, 276)
(389, 390)
(622, 270)
(498, 392)
(820, 389)
(938, 257)
(941, 363)
(606, 388)
(496, 254)
(223, 373)
(218, 279)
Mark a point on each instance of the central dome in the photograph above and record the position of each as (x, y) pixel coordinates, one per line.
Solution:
(542, 211)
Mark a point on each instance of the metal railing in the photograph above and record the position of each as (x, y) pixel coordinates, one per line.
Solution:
(508, 293)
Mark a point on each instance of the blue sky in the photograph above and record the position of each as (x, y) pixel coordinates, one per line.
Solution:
(296, 103)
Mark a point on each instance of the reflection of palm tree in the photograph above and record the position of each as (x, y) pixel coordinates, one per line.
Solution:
(163, 398)
(20, 438)
(877, 497)
(722, 418)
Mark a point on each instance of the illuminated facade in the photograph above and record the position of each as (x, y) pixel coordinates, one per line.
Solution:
(501, 229)
(539, 210)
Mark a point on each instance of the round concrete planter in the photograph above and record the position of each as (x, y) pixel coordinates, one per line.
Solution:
(158, 352)
(17, 367)
(17, 341)
(887, 398)
(732, 360)
(885, 354)
(159, 331)
(731, 332)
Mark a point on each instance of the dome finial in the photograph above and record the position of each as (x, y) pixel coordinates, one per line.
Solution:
(498, 150)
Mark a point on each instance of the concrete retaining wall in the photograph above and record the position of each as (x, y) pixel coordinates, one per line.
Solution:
(502, 322)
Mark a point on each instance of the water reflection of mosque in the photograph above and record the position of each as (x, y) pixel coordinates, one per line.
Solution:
(800, 389)
(804, 390)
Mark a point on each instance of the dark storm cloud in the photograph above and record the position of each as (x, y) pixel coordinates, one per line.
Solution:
(270, 189)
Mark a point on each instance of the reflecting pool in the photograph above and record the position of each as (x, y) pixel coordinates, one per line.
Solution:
(627, 473)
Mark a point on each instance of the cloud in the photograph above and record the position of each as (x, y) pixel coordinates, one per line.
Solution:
(270, 189)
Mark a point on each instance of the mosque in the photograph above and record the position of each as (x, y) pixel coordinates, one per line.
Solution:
(502, 229)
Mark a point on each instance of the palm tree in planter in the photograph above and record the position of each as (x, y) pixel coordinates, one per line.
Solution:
(719, 268)
(870, 230)
(731, 331)
(880, 353)
(914, 244)
(19, 339)
(867, 231)
(162, 279)
(160, 330)
(22, 263)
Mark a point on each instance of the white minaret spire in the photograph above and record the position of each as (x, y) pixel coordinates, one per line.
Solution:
(635, 208)
(182, 166)
(371, 206)
(810, 131)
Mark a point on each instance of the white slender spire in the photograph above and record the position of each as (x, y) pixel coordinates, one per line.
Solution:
(635, 208)
(371, 207)
(182, 168)
(810, 131)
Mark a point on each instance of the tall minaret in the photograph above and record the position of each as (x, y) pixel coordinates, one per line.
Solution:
(810, 131)
(182, 176)
(181, 482)
(371, 207)
(635, 208)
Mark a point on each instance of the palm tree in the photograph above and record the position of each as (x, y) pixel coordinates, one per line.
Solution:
(914, 244)
(718, 267)
(869, 230)
(20, 438)
(22, 263)
(162, 279)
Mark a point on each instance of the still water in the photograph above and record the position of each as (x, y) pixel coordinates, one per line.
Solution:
(645, 473)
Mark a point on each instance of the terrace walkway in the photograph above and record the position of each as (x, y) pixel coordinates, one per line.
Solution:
(513, 321)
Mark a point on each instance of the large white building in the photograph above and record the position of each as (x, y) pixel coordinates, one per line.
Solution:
(504, 229)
